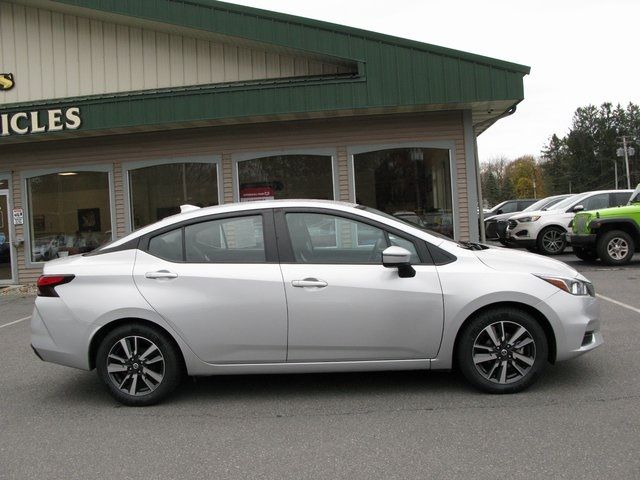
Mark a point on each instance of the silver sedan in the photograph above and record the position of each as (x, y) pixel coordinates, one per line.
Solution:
(306, 286)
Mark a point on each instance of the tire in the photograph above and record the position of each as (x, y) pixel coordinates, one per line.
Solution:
(551, 241)
(523, 365)
(585, 255)
(616, 248)
(144, 371)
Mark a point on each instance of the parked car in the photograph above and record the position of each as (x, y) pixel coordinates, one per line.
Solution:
(496, 227)
(509, 206)
(610, 234)
(545, 231)
(241, 289)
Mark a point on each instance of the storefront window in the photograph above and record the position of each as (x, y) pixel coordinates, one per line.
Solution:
(159, 191)
(413, 184)
(69, 213)
(286, 177)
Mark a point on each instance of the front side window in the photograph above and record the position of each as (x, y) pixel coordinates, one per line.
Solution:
(286, 177)
(412, 183)
(231, 240)
(596, 202)
(158, 191)
(69, 213)
(326, 239)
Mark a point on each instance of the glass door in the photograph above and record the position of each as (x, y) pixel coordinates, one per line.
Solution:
(6, 273)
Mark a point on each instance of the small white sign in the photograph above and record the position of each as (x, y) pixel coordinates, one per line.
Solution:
(18, 216)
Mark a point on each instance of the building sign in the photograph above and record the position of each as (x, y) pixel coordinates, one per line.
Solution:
(255, 194)
(18, 216)
(25, 123)
(6, 81)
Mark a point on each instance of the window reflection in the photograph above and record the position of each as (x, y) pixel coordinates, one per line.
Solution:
(413, 184)
(286, 177)
(69, 213)
(158, 192)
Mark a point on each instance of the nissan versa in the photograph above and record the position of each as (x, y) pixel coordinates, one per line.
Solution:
(306, 286)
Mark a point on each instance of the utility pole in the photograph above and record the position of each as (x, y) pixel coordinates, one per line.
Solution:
(615, 166)
(626, 160)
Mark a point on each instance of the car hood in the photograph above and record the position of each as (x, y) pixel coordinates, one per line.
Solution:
(502, 216)
(536, 213)
(515, 261)
(616, 211)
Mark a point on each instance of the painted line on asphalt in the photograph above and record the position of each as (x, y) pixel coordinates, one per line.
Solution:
(620, 304)
(17, 321)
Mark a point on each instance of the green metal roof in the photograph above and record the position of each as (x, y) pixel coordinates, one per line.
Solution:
(392, 72)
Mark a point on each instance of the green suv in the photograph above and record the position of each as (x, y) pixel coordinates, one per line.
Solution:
(611, 234)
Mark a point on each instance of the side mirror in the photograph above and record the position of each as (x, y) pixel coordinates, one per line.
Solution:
(400, 258)
(578, 208)
(499, 212)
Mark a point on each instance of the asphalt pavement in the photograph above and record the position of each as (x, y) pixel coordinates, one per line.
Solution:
(581, 420)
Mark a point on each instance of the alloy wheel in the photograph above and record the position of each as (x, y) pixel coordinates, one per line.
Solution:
(504, 352)
(135, 365)
(553, 241)
(618, 248)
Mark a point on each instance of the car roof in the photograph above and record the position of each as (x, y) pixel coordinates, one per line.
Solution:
(194, 213)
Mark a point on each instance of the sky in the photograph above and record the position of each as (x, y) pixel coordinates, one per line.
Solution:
(580, 52)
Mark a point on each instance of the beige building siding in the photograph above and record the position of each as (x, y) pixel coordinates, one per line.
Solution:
(53, 55)
(340, 134)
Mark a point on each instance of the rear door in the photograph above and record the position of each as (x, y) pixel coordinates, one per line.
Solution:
(343, 304)
(218, 282)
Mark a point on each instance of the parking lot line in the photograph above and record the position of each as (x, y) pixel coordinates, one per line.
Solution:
(16, 321)
(616, 302)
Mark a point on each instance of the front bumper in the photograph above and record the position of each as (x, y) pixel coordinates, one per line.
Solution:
(576, 324)
(582, 240)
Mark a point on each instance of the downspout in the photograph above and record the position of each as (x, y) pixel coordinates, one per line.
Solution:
(508, 113)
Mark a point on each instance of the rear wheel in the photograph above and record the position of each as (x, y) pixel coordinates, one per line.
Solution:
(552, 241)
(139, 365)
(616, 248)
(502, 351)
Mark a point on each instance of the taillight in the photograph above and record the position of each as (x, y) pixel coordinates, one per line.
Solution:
(47, 284)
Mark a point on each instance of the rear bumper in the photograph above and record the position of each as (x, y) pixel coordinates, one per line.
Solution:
(582, 240)
(48, 349)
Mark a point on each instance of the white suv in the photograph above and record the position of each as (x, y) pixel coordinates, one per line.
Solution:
(544, 231)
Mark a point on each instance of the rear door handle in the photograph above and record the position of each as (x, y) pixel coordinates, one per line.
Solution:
(161, 275)
(309, 283)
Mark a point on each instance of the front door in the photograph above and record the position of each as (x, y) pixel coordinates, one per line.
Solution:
(6, 270)
(218, 283)
(344, 305)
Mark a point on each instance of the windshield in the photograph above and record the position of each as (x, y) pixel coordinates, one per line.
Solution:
(402, 220)
(635, 196)
(540, 204)
(567, 202)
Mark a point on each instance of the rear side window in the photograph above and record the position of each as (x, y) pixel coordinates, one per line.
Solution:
(510, 207)
(167, 246)
(618, 199)
(230, 240)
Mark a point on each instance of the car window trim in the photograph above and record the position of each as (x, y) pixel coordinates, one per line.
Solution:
(268, 229)
(285, 247)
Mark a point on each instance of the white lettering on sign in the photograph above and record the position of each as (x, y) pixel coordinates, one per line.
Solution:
(18, 216)
(24, 123)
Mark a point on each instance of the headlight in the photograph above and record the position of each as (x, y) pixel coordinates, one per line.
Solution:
(573, 286)
(529, 219)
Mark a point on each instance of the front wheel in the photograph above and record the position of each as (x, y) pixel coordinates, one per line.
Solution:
(552, 241)
(502, 351)
(616, 248)
(139, 365)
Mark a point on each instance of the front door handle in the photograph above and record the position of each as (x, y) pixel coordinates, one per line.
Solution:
(161, 275)
(309, 283)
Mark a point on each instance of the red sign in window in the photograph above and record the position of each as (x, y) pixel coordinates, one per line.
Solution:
(256, 194)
